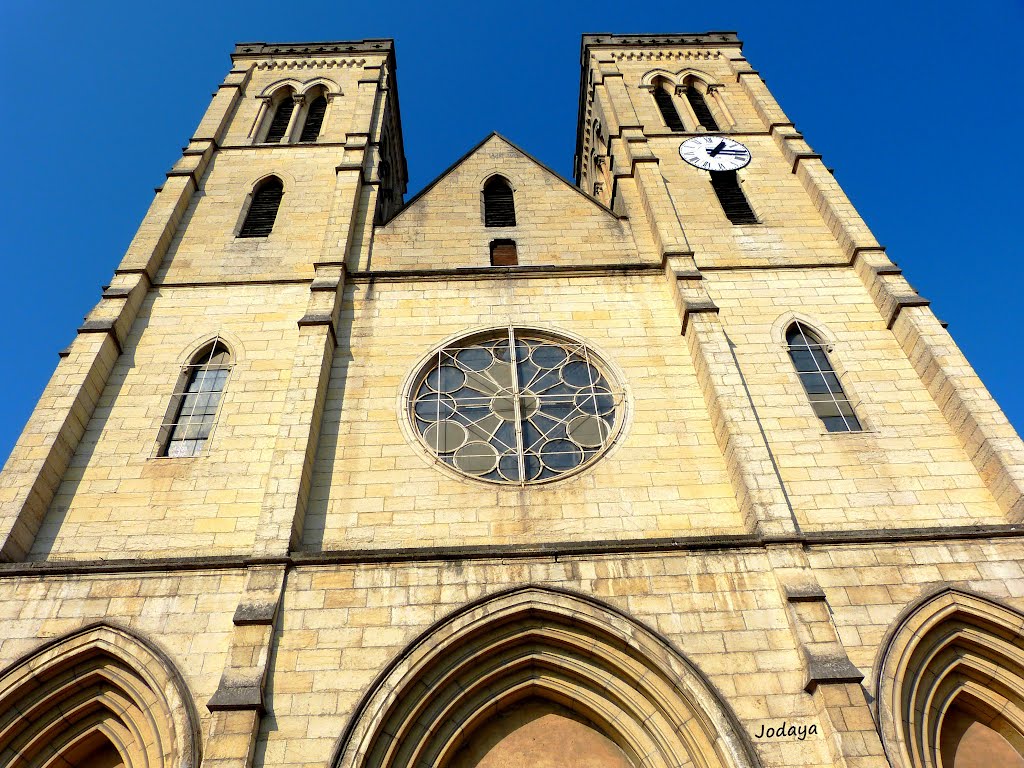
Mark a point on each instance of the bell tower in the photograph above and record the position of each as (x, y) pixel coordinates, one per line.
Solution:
(298, 153)
(643, 97)
(681, 134)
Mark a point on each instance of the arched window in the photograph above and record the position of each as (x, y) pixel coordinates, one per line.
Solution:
(663, 97)
(314, 119)
(499, 205)
(828, 400)
(266, 199)
(279, 123)
(195, 402)
(730, 195)
(700, 108)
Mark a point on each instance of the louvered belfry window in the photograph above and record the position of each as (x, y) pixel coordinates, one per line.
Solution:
(668, 108)
(821, 384)
(282, 115)
(499, 205)
(259, 221)
(734, 202)
(700, 108)
(314, 119)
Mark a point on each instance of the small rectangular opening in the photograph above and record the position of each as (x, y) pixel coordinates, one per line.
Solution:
(503, 253)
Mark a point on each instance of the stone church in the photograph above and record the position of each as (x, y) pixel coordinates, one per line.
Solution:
(665, 467)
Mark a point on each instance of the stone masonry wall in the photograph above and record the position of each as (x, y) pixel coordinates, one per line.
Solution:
(375, 487)
(723, 610)
(206, 248)
(116, 498)
(187, 615)
(907, 468)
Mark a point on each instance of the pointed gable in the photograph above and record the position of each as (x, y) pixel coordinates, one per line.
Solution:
(443, 227)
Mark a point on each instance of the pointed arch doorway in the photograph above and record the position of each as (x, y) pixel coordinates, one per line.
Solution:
(100, 697)
(950, 684)
(538, 677)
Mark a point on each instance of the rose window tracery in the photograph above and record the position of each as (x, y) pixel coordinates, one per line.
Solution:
(516, 406)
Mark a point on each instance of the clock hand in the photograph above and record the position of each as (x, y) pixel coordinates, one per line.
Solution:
(717, 149)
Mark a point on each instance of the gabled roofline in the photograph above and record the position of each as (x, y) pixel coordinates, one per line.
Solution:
(494, 134)
(591, 40)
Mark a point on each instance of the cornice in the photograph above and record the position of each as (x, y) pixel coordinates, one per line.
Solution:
(382, 46)
(320, 55)
(663, 55)
(544, 550)
(597, 39)
(309, 63)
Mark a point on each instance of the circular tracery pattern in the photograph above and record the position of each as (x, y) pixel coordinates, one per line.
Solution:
(515, 406)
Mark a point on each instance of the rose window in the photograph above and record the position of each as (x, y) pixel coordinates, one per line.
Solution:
(515, 406)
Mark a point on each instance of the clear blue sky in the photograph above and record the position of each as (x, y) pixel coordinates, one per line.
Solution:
(916, 105)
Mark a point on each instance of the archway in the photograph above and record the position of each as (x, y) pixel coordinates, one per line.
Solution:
(950, 685)
(534, 670)
(100, 698)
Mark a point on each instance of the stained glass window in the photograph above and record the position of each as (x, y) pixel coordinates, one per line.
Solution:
(516, 406)
(826, 394)
(194, 405)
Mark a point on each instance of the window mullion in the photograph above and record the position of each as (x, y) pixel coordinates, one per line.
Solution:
(517, 411)
(828, 384)
(437, 412)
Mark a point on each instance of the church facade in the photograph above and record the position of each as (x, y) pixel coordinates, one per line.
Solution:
(669, 466)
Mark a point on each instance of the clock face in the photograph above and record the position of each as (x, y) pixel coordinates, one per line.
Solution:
(714, 153)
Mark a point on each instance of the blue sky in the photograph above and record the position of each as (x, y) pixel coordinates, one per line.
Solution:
(917, 107)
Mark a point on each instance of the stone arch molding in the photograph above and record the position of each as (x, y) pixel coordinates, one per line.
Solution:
(278, 86)
(676, 78)
(287, 180)
(513, 180)
(539, 643)
(330, 88)
(951, 649)
(100, 683)
(786, 319)
(230, 339)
